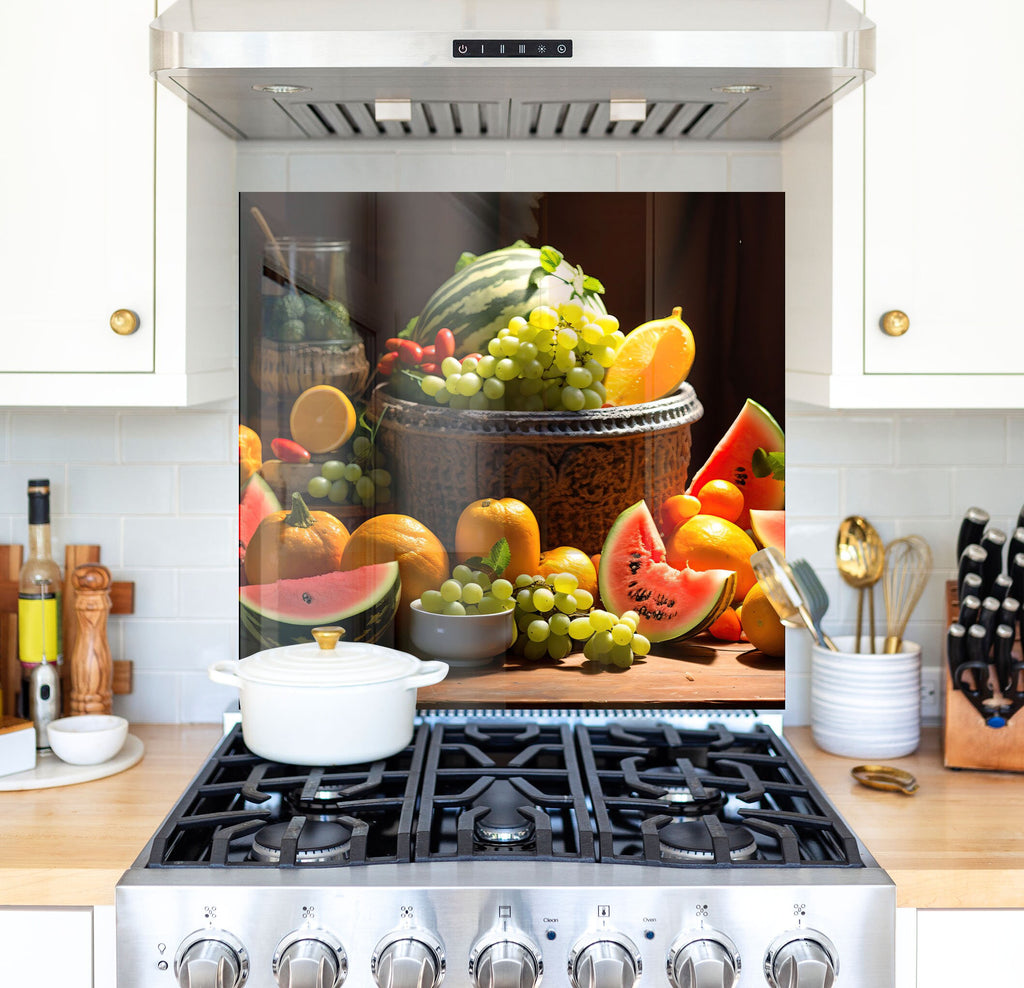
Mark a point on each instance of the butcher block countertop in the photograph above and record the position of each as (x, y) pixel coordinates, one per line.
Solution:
(957, 843)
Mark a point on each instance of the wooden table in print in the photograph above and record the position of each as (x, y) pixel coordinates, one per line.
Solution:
(701, 672)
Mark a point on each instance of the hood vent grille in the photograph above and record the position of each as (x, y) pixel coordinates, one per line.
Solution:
(574, 119)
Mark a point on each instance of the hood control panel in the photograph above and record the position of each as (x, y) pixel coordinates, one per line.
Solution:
(514, 48)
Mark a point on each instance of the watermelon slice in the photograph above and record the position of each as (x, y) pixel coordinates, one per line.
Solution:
(769, 528)
(363, 601)
(672, 603)
(258, 501)
(731, 460)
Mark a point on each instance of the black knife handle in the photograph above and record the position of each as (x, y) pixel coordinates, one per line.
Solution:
(972, 560)
(988, 618)
(1016, 545)
(956, 650)
(992, 542)
(1020, 517)
(1015, 570)
(971, 586)
(982, 689)
(1009, 612)
(970, 608)
(1002, 661)
(973, 524)
(977, 656)
(1000, 587)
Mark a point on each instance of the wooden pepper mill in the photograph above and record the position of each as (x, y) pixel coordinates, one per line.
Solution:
(92, 670)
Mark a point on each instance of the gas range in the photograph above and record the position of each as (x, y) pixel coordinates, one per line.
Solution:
(496, 851)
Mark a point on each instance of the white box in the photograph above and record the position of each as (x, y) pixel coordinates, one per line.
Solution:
(17, 745)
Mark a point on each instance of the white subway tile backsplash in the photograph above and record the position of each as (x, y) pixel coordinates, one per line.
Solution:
(180, 541)
(84, 530)
(1015, 439)
(652, 172)
(812, 492)
(928, 439)
(203, 701)
(209, 593)
(348, 172)
(79, 437)
(155, 698)
(156, 591)
(179, 646)
(178, 437)
(576, 170)
(999, 490)
(121, 490)
(856, 440)
(208, 490)
(895, 491)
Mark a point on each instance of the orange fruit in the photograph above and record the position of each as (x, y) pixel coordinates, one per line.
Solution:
(250, 453)
(726, 627)
(566, 559)
(708, 542)
(677, 509)
(652, 361)
(722, 498)
(761, 624)
(484, 522)
(422, 560)
(322, 419)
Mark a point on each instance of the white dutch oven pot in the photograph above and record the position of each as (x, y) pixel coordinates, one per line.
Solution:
(327, 704)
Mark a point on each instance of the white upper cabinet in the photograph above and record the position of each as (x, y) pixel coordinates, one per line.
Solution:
(94, 170)
(907, 198)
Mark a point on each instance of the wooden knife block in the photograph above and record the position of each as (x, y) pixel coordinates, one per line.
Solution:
(967, 741)
(122, 596)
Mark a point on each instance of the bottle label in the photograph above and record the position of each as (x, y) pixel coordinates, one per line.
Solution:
(39, 629)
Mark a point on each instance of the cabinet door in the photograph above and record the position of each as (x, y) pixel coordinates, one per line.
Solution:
(944, 204)
(76, 194)
(47, 948)
(947, 946)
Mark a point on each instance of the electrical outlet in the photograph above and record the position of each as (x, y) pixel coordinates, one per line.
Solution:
(931, 689)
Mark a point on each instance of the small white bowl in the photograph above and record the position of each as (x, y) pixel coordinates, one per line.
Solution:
(461, 639)
(88, 739)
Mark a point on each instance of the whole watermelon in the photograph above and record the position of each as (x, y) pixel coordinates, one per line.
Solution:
(482, 296)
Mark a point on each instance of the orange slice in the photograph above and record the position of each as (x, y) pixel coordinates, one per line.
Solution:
(322, 419)
(652, 362)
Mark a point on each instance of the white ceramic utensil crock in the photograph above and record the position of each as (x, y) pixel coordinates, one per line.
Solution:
(327, 704)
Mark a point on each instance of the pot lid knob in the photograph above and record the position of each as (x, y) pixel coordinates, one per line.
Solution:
(328, 636)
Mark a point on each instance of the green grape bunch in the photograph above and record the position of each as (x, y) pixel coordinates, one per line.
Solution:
(469, 591)
(554, 615)
(354, 480)
(553, 361)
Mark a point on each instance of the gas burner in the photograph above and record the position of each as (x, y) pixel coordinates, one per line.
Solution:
(682, 801)
(318, 843)
(502, 824)
(327, 803)
(691, 841)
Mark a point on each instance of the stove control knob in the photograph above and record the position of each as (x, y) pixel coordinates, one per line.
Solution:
(707, 960)
(408, 959)
(605, 960)
(801, 959)
(211, 959)
(310, 959)
(505, 962)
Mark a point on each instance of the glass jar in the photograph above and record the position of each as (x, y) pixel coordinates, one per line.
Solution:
(305, 291)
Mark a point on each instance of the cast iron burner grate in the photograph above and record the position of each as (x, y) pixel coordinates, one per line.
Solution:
(636, 791)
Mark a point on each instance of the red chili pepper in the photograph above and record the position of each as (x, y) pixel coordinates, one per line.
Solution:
(429, 352)
(444, 345)
(410, 352)
(386, 364)
(428, 368)
(289, 451)
(394, 343)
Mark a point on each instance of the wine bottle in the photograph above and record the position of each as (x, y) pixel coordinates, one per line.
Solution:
(39, 592)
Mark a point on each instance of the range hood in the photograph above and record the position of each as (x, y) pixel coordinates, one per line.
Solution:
(523, 69)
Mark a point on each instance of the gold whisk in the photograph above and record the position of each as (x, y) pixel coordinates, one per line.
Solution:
(908, 562)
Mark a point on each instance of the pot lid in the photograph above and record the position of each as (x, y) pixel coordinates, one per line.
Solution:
(325, 663)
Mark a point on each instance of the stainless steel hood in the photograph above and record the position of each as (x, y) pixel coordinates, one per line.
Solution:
(529, 69)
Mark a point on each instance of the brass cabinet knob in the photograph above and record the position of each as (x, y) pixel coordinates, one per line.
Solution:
(124, 322)
(895, 323)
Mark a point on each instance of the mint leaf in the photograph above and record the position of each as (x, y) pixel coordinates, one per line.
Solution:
(550, 259)
(499, 557)
(591, 284)
(766, 464)
(409, 327)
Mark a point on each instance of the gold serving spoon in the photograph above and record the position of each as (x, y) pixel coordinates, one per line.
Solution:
(860, 558)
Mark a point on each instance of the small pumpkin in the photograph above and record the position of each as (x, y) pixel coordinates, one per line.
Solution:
(250, 454)
(486, 521)
(290, 545)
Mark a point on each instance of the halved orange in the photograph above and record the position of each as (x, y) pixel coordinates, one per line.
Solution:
(652, 362)
(322, 419)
